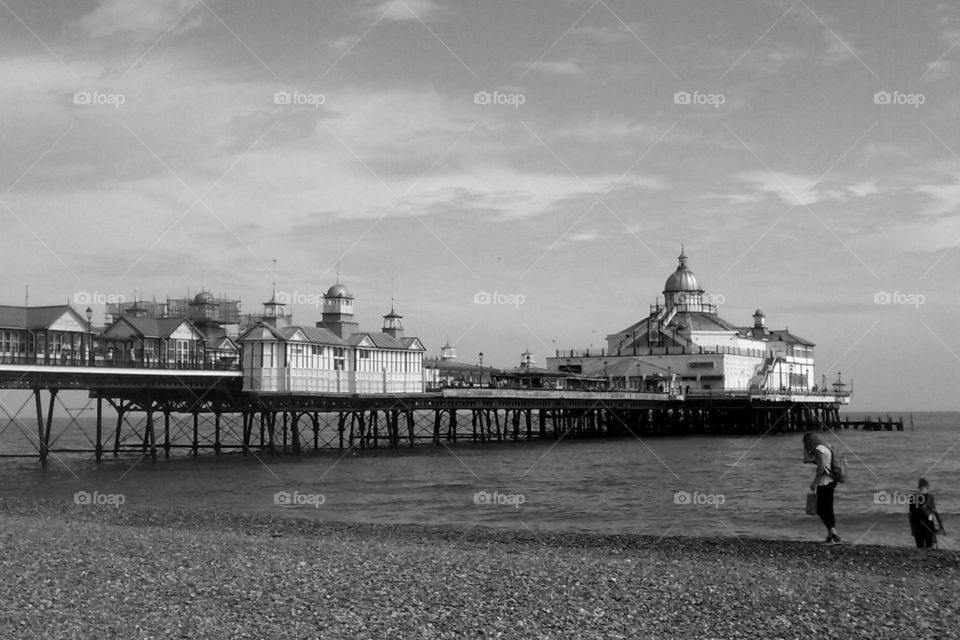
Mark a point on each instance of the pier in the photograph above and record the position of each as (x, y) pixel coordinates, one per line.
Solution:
(153, 412)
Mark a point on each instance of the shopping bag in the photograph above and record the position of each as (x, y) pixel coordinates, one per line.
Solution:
(811, 504)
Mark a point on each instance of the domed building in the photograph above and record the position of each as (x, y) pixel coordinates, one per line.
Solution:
(684, 346)
(334, 356)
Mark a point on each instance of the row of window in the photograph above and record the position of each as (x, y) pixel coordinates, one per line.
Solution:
(13, 342)
(318, 357)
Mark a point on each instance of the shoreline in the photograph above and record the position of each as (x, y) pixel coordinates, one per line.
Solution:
(259, 524)
(143, 573)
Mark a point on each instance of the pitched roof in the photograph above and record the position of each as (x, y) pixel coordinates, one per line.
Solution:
(314, 335)
(413, 342)
(154, 327)
(14, 317)
(379, 340)
(782, 335)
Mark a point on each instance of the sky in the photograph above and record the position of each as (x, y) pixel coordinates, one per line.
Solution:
(513, 174)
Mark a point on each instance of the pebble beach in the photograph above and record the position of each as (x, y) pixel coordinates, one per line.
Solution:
(76, 572)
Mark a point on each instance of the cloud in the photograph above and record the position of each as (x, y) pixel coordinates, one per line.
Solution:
(937, 70)
(605, 35)
(863, 189)
(946, 198)
(556, 68)
(792, 189)
(406, 10)
(602, 129)
(142, 18)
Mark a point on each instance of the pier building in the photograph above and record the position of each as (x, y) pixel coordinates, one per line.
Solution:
(684, 346)
(334, 356)
(49, 335)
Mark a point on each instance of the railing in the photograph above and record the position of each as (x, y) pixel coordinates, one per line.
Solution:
(763, 393)
(663, 351)
(99, 362)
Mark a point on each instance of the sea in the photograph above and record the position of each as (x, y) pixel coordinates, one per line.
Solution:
(728, 486)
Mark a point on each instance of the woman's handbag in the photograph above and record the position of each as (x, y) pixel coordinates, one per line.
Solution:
(811, 504)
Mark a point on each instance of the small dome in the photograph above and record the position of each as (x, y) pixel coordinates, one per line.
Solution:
(758, 312)
(204, 297)
(682, 279)
(338, 291)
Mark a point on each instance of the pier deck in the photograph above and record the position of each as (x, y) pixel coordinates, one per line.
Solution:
(207, 410)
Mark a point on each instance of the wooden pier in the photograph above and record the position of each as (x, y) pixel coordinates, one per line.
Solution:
(879, 424)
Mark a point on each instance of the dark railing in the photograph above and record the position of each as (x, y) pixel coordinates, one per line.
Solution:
(661, 351)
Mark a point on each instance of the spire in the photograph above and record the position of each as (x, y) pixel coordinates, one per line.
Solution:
(682, 258)
(274, 296)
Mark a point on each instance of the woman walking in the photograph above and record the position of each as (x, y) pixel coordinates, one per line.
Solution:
(818, 452)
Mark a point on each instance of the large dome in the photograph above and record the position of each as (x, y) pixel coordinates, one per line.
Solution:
(682, 279)
(204, 297)
(338, 291)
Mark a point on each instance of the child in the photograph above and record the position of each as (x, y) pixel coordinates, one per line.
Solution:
(925, 522)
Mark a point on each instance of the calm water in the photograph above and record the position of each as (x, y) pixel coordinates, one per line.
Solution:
(745, 486)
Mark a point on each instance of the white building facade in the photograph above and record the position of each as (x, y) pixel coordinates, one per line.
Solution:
(683, 345)
(333, 357)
